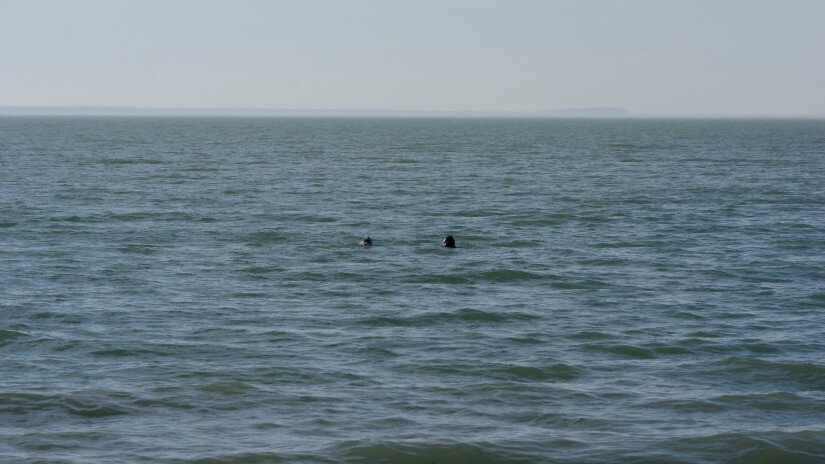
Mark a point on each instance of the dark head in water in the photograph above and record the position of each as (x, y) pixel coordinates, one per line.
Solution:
(449, 242)
(366, 241)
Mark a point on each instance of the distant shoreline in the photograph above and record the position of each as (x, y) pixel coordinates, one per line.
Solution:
(570, 113)
(277, 112)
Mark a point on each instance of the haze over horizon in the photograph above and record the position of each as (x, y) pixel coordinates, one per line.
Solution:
(735, 57)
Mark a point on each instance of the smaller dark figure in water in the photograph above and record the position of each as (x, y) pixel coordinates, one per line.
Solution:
(366, 241)
(449, 242)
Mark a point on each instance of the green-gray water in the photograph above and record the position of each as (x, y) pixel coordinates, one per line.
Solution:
(177, 290)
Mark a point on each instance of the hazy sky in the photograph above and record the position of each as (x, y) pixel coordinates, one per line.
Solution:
(654, 56)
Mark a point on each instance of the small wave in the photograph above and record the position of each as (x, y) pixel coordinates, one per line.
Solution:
(525, 339)
(250, 295)
(762, 348)
(757, 448)
(477, 213)
(444, 279)
(9, 336)
(558, 372)
(549, 220)
(260, 270)
(121, 353)
(137, 248)
(227, 388)
(241, 458)
(73, 218)
(775, 401)
(165, 216)
(25, 403)
(311, 218)
(242, 191)
(558, 420)
(64, 318)
(428, 453)
(627, 244)
(518, 244)
(508, 275)
(688, 315)
(138, 216)
(603, 262)
(265, 237)
(467, 315)
(588, 284)
(624, 351)
(805, 373)
(116, 161)
(502, 276)
(591, 335)
(686, 406)
(667, 349)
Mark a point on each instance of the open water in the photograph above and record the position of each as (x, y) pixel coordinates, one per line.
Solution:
(190, 290)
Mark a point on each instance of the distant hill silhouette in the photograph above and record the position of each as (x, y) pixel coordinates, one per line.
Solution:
(274, 112)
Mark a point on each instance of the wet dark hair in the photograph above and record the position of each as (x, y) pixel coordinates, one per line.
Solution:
(367, 241)
(449, 242)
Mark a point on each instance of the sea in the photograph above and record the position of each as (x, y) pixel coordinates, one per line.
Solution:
(191, 290)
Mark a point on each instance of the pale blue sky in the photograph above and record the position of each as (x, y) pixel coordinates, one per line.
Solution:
(651, 56)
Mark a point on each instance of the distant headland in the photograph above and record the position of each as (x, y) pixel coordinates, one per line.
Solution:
(599, 112)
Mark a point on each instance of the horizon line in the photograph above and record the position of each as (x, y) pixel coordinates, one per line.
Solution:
(597, 112)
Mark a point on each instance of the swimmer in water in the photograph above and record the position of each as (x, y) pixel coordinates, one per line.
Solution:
(448, 242)
(366, 241)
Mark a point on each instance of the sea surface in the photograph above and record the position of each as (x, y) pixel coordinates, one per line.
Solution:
(191, 290)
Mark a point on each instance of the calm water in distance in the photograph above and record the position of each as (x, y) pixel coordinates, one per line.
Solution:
(190, 290)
